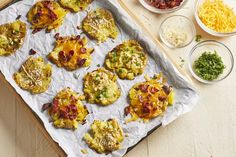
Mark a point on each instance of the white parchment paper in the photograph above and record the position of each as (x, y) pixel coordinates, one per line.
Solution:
(71, 141)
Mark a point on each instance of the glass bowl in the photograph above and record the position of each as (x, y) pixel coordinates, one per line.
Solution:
(177, 22)
(230, 3)
(210, 45)
(161, 11)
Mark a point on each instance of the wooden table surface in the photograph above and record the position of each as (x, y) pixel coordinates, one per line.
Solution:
(207, 131)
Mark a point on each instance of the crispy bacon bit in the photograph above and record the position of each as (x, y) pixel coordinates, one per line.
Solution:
(153, 90)
(84, 122)
(81, 62)
(154, 108)
(64, 113)
(73, 99)
(161, 98)
(36, 30)
(166, 89)
(70, 55)
(77, 37)
(127, 110)
(56, 36)
(83, 50)
(149, 97)
(143, 88)
(146, 109)
(62, 56)
(32, 52)
(55, 106)
(140, 98)
(73, 108)
(46, 106)
(18, 17)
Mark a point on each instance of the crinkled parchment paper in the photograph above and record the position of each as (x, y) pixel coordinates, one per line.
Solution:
(71, 141)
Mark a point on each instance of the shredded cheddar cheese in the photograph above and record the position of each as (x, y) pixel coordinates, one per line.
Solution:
(217, 16)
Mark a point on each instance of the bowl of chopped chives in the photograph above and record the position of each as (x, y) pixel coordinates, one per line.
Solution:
(210, 61)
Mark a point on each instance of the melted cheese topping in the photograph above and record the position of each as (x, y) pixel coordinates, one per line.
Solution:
(71, 53)
(100, 25)
(66, 110)
(149, 99)
(75, 5)
(100, 86)
(34, 75)
(46, 14)
(127, 60)
(104, 137)
(217, 16)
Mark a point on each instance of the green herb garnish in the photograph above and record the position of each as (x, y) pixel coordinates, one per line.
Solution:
(98, 65)
(209, 66)
(198, 38)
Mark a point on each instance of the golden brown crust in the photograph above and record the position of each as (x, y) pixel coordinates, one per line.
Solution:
(75, 5)
(104, 137)
(100, 25)
(34, 75)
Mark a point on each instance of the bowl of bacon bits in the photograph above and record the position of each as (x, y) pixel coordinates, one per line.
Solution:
(163, 6)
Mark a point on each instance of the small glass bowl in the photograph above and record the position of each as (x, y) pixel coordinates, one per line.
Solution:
(210, 46)
(178, 22)
(161, 11)
(205, 28)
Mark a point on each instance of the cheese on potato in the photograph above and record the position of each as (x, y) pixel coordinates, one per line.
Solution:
(100, 87)
(46, 14)
(104, 137)
(11, 37)
(127, 60)
(34, 75)
(100, 25)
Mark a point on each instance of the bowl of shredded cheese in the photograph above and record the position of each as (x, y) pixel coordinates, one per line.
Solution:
(216, 17)
(177, 31)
